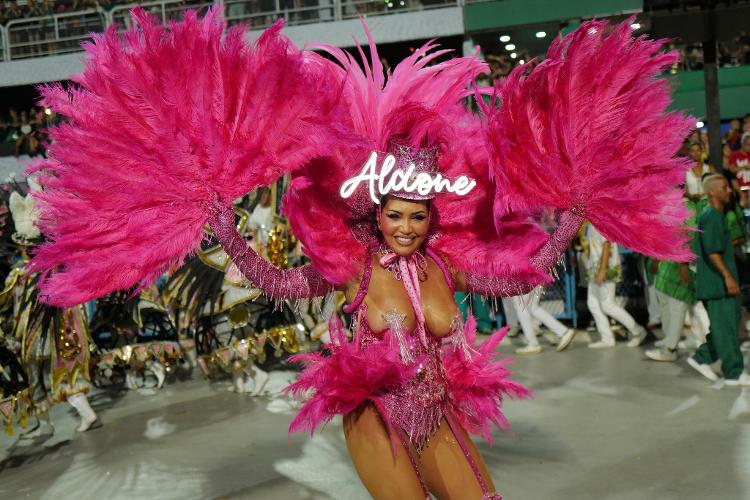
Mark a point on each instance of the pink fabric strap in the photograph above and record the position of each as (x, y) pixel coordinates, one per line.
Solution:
(413, 462)
(544, 260)
(487, 494)
(443, 267)
(408, 271)
(364, 285)
(296, 283)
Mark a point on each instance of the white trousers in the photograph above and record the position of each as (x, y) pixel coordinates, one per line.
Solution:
(699, 322)
(601, 302)
(527, 308)
(511, 319)
(653, 305)
(673, 313)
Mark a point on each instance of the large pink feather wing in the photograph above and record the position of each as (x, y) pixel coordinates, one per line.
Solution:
(161, 118)
(588, 128)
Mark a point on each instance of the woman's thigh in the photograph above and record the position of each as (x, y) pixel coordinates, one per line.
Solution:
(446, 469)
(385, 474)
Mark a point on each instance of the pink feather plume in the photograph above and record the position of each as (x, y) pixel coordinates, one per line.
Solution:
(588, 127)
(340, 378)
(161, 118)
(477, 386)
(471, 238)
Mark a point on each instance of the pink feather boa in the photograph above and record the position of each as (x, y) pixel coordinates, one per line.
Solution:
(588, 127)
(477, 386)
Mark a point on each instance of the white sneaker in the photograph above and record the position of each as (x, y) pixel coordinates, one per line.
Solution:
(743, 380)
(704, 370)
(261, 378)
(42, 429)
(637, 339)
(89, 423)
(566, 339)
(662, 354)
(513, 330)
(660, 343)
(602, 344)
(529, 349)
(689, 344)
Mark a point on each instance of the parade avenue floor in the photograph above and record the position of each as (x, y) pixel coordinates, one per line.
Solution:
(604, 424)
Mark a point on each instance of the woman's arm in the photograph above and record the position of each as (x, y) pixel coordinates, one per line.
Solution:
(295, 283)
(544, 260)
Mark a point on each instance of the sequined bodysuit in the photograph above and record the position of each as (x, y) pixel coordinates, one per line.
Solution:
(418, 406)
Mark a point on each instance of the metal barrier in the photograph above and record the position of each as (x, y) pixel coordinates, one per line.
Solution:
(63, 33)
(3, 46)
(50, 35)
(170, 10)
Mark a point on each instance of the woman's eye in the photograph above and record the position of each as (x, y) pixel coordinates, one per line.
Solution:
(394, 216)
(419, 217)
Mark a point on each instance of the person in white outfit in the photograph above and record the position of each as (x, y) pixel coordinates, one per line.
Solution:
(604, 271)
(527, 308)
(511, 318)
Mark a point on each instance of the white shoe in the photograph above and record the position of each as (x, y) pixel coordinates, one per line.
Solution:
(130, 382)
(44, 428)
(689, 344)
(566, 339)
(552, 338)
(87, 424)
(660, 343)
(260, 380)
(89, 419)
(704, 370)
(662, 354)
(602, 344)
(158, 370)
(743, 380)
(529, 349)
(513, 330)
(637, 339)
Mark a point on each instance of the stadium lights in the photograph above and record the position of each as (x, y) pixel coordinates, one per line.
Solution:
(635, 26)
(521, 62)
(510, 46)
(513, 55)
(505, 38)
(47, 111)
(699, 124)
(541, 34)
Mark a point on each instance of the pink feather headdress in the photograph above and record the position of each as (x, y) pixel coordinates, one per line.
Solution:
(420, 106)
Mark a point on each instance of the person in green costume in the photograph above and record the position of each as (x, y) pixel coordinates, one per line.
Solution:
(717, 285)
(675, 287)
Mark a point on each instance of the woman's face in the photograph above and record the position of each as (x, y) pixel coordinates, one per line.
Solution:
(404, 224)
(696, 153)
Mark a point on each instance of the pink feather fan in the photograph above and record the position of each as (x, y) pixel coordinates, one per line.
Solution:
(162, 118)
(421, 103)
(337, 380)
(477, 386)
(587, 127)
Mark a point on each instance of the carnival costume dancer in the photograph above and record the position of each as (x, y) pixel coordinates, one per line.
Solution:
(54, 341)
(203, 119)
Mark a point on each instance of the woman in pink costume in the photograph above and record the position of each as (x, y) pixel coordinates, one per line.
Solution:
(170, 124)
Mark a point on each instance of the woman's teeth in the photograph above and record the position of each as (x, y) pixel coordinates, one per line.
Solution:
(403, 240)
